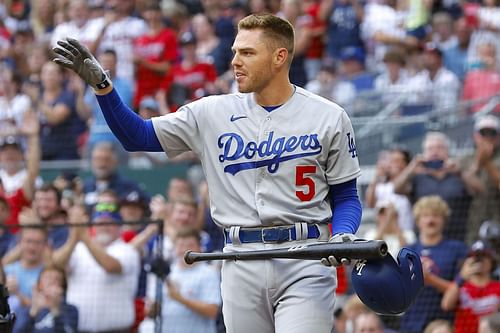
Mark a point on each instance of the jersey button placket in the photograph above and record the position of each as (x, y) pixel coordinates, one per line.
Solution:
(262, 171)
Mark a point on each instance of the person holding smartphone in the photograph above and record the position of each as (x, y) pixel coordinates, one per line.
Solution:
(474, 294)
(482, 171)
(434, 172)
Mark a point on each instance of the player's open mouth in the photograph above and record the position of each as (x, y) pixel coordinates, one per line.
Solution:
(238, 76)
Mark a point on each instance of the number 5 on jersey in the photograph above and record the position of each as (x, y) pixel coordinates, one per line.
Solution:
(302, 178)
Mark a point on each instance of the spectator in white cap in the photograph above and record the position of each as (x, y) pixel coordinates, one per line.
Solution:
(482, 171)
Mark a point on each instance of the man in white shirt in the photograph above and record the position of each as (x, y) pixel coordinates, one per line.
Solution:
(434, 85)
(117, 31)
(102, 275)
(79, 26)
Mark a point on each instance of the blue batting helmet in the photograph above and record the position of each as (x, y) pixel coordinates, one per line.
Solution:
(386, 286)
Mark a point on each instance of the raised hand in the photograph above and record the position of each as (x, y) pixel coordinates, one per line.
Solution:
(78, 58)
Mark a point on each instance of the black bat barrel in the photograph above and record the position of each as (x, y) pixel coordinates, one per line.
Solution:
(359, 249)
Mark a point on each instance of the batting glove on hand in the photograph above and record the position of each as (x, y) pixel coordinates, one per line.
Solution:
(339, 238)
(78, 58)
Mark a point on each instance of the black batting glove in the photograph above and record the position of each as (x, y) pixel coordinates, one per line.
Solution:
(78, 58)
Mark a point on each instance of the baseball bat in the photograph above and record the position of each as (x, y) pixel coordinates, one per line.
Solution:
(358, 249)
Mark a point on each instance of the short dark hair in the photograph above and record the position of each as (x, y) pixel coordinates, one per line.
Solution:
(53, 267)
(49, 187)
(279, 31)
(406, 154)
(110, 52)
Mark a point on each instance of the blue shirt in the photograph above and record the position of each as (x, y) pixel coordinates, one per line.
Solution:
(26, 279)
(58, 236)
(59, 142)
(446, 256)
(343, 29)
(45, 322)
(99, 130)
(455, 59)
(7, 242)
(451, 189)
(199, 282)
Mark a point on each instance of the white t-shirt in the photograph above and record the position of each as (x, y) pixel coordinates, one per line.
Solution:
(85, 34)
(490, 16)
(105, 301)
(119, 36)
(442, 92)
(384, 192)
(14, 109)
(389, 90)
(392, 240)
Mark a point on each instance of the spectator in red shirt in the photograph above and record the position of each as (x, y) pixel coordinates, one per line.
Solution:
(474, 294)
(190, 79)
(483, 80)
(317, 28)
(17, 181)
(154, 53)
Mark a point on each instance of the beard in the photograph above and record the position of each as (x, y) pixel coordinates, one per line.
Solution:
(104, 239)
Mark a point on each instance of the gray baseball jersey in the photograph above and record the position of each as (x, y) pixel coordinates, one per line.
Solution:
(265, 168)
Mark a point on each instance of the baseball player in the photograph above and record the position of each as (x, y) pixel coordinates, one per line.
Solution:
(280, 163)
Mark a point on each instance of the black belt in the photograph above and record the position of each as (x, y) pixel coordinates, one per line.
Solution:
(272, 234)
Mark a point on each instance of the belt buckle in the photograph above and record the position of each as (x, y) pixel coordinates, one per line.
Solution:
(283, 235)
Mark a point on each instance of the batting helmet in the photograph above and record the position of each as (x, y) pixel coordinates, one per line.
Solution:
(386, 286)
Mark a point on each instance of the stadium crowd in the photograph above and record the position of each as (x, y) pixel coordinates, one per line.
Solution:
(102, 254)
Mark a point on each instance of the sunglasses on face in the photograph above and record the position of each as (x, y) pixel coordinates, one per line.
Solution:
(105, 207)
(488, 132)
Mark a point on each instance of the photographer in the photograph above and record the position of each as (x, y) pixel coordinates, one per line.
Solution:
(434, 173)
(474, 294)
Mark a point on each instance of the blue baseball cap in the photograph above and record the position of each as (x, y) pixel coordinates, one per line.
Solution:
(353, 53)
(113, 216)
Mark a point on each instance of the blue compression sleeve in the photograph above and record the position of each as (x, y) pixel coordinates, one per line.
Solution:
(346, 207)
(135, 133)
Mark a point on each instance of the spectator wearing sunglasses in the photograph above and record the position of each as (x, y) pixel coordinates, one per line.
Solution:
(482, 171)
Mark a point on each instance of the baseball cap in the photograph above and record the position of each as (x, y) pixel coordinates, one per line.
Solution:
(487, 121)
(150, 103)
(134, 198)
(480, 247)
(108, 215)
(433, 48)
(10, 141)
(353, 53)
(187, 38)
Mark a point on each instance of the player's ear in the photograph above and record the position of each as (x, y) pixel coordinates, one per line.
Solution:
(280, 56)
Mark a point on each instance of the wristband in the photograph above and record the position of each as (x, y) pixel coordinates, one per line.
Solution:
(104, 84)
(459, 281)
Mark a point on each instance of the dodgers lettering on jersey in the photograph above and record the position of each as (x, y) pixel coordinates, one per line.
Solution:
(265, 168)
(271, 151)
